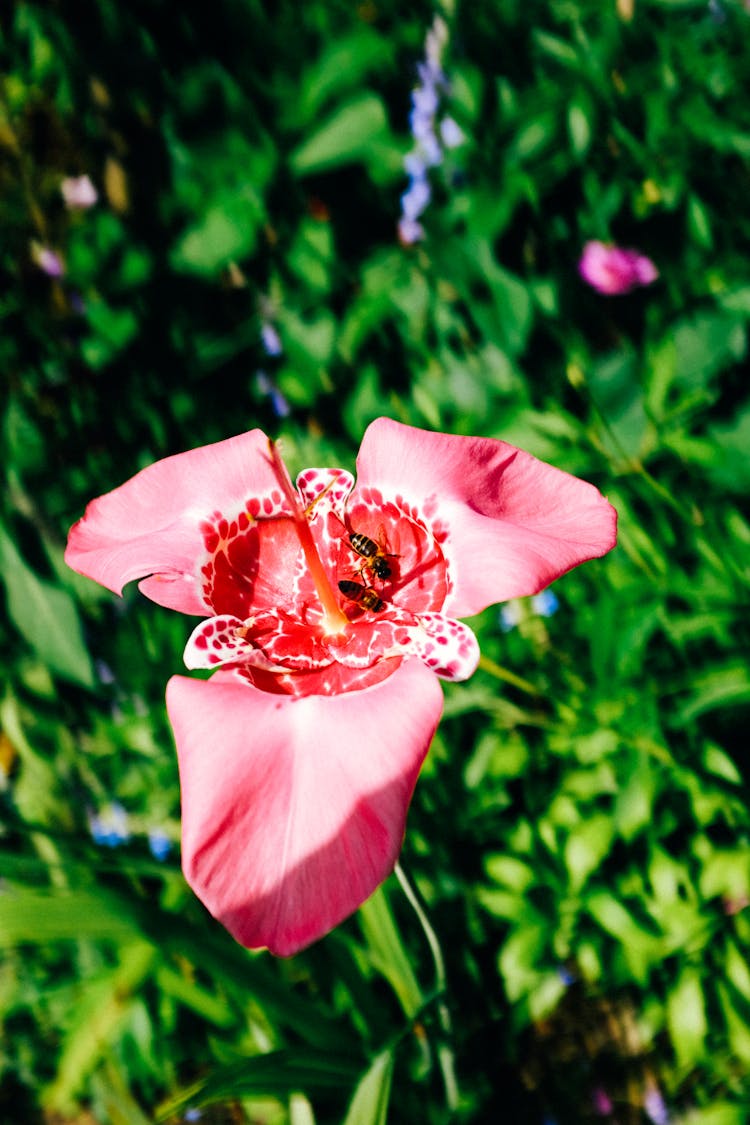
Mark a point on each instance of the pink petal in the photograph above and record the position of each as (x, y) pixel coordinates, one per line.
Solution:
(151, 525)
(507, 523)
(294, 808)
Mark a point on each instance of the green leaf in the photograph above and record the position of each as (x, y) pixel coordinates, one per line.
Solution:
(706, 343)
(640, 946)
(311, 255)
(585, 848)
(533, 137)
(369, 1106)
(737, 969)
(343, 65)
(579, 125)
(686, 1018)
(736, 1021)
(724, 685)
(344, 137)
(387, 951)
(521, 959)
(41, 917)
(509, 872)
(634, 801)
(112, 330)
(224, 233)
(95, 1019)
(720, 1113)
(726, 872)
(278, 1073)
(45, 616)
(717, 762)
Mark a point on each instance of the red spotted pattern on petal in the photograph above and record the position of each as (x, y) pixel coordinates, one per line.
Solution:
(250, 563)
(372, 636)
(223, 640)
(256, 577)
(293, 640)
(448, 647)
(419, 580)
(324, 490)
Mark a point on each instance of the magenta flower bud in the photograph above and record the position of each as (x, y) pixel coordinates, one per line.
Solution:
(602, 1102)
(612, 270)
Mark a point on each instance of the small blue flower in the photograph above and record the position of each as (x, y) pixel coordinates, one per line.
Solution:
(566, 976)
(271, 340)
(109, 829)
(545, 604)
(266, 386)
(510, 616)
(159, 844)
(104, 672)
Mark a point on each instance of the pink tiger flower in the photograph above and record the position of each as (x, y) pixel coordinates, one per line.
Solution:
(329, 612)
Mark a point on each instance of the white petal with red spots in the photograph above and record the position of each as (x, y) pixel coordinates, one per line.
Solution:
(447, 647)
(223, 640)
(324, 490)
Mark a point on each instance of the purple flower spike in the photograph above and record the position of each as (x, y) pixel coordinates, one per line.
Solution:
(612, 270)
(414, 201)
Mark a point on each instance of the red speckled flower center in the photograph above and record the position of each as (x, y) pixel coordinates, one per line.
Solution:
(255, 570)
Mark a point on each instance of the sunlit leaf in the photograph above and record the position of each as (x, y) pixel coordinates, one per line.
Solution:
(345, 136)
(45, 616)
(686, 1017)
(369, 1106)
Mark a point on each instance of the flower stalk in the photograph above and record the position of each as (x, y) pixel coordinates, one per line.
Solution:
(445, 1052)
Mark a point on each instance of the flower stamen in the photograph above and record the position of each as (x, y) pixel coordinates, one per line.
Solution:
(335, 620)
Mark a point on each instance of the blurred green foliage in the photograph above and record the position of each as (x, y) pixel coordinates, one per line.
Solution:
(581, 831)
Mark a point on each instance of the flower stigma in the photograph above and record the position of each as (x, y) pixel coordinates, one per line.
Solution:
(335, 621)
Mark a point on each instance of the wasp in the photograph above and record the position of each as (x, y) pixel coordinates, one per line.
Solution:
(362, 595)
(374, 555)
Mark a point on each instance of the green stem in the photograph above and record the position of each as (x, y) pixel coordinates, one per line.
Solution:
(507, 676)
(445, 1052)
